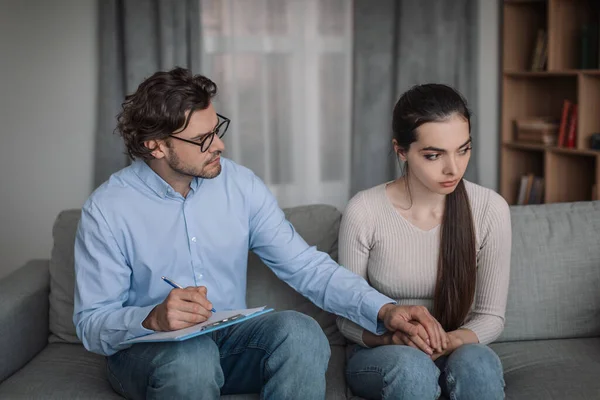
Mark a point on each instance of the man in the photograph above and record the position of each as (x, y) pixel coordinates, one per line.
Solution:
(181, 211)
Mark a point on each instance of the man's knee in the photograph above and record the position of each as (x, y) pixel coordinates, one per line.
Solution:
(301, 336)
(193, 362)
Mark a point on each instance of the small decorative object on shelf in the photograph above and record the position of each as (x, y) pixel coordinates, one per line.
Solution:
(539, 130)
(595, 141)
(589, 46)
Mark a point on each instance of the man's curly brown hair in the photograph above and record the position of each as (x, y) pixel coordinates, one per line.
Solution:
(158, 107)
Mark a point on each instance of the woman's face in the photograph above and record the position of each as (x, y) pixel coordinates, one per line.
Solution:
(439, 157)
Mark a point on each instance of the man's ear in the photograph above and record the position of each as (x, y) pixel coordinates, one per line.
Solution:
(158, 148)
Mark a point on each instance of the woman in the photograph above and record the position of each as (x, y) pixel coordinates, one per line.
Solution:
(430, 238)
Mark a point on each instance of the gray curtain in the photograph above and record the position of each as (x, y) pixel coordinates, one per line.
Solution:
(138, 38)
(398, 44)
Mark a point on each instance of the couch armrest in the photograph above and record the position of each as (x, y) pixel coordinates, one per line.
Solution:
(23, 315)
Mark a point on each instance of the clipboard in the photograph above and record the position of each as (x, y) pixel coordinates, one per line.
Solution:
(218, 320)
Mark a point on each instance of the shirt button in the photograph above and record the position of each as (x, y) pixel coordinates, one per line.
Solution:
(194, 239)
(200, 276)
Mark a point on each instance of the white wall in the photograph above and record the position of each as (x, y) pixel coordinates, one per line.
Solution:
(486, 146)
(48, 75)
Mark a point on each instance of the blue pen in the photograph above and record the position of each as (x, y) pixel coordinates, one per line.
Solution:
(177, 286)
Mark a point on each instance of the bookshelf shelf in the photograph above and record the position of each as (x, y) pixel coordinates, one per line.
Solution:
(546, 74)
(539, 74)
(579, 152)
(526, 146)
(553, 149)
(525, 1)
(550, 57)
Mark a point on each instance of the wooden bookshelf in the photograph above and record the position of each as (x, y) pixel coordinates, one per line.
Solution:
(569, 173)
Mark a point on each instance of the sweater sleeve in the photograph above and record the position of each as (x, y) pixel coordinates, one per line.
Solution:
(355, 238)
(486, 319)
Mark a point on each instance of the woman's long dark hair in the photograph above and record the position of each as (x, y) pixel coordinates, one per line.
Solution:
(457, 264)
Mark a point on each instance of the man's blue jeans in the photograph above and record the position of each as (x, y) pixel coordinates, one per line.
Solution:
(281, 355)
(473, 371)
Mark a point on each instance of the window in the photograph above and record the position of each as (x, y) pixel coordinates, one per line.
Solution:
(284, 70)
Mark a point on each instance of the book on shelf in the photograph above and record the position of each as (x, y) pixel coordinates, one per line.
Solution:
(572, 134)
(531, 190)
(540, 51)
(567, 131)
(538, 130)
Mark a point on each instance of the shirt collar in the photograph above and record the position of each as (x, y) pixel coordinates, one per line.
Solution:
(155, 182)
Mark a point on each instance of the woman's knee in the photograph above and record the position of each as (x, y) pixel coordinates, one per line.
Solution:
(393, 372)
(475, 369)
(474, 359)
(408, 365)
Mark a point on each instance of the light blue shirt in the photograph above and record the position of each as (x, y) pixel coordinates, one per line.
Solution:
(136, 228)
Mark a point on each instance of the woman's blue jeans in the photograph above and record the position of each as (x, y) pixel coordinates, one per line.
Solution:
(472, 372)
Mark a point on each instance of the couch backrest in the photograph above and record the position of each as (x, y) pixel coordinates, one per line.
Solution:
(62, 277)
(554, 284)
(317, 224)
(554, 287)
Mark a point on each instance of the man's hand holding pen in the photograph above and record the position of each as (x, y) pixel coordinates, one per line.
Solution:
(182, 308)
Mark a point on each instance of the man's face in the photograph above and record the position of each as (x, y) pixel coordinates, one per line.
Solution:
(187, 158)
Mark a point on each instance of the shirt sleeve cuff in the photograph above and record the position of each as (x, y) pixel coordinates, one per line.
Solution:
(137, 316)
(371, 305)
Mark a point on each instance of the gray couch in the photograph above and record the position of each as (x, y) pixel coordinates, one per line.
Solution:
(550, 347)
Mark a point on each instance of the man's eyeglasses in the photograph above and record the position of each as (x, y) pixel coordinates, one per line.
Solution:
(207, 139)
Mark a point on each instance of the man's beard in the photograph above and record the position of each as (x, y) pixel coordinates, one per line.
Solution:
(186, 170)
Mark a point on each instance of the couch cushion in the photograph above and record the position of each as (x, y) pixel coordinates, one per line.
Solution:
(68, 371)
(60, 371)
(317, 224)
(554, 287)
(551, 369)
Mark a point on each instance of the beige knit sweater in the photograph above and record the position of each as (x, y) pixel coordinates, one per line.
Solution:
(400, 260)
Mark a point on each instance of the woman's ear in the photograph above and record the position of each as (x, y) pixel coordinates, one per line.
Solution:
(399, 150)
